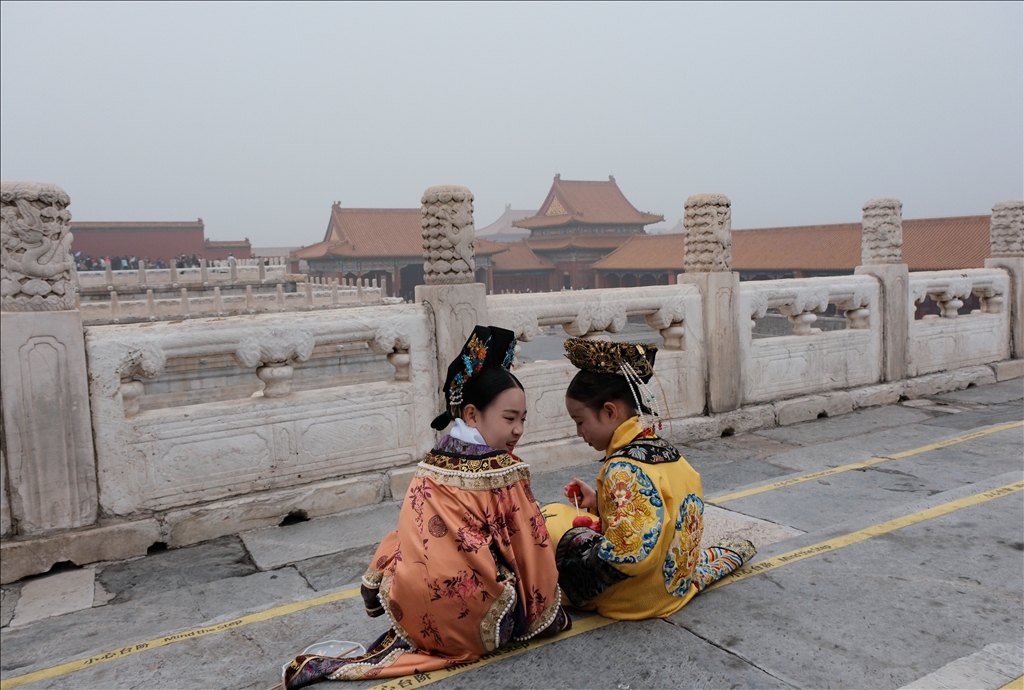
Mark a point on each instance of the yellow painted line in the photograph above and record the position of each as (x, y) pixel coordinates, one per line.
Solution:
(864, 463)
(421, 679)
(1014, 684)
(863, 534)
(128, 650)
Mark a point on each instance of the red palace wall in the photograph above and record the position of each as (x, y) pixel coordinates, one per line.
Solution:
(153, 243)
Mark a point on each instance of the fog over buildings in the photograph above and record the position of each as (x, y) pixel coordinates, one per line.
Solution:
(258, 117)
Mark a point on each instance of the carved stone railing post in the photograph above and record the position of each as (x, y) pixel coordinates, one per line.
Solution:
(50, 463)
(708, 262)
(882, 257)
(457, 301)
(1006, 233)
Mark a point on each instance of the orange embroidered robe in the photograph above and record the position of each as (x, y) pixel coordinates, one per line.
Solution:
(470, 567)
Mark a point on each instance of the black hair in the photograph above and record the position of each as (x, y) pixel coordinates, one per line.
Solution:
(594, 390)
(480, 391)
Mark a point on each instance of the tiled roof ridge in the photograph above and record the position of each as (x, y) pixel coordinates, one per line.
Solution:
(975, 216)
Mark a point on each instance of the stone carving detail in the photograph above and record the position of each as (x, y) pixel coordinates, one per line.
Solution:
(597, 316)
(274, 345)
(1006, 229)
(38, 273)
(882, 232)
(803, 298)
(448, 231)
(708, 222)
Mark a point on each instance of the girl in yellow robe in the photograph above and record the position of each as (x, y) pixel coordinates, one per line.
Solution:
(642, 557)
(471, 565)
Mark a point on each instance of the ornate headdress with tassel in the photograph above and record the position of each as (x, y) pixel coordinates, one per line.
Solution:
(634, 361)
(487, 347)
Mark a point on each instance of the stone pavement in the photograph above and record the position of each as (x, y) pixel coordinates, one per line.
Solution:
(920, 581)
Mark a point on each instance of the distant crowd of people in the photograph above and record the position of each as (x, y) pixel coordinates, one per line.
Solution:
(128, 263)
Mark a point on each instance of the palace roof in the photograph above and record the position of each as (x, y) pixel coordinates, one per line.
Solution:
(519, 257)
(584, 202)
(372, 233)
(550, 243)
(651, 252)
(502, 230)
(929, 244)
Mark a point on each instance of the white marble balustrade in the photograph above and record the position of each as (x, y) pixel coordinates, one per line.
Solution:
(950, 340)
(308, 296)
(177, 456)
(810, 360)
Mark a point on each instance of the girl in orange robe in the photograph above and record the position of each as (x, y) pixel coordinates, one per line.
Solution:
(471, 566)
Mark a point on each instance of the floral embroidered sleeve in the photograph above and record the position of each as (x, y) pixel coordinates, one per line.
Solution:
(633, 512)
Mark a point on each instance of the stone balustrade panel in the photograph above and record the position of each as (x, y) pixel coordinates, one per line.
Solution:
(674, 310)
(207, 303)
(158, 459)
(184, 276)
(950, 341)
(810, 360)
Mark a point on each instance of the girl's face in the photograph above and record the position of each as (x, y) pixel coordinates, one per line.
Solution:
(501, 422)
(596, 427)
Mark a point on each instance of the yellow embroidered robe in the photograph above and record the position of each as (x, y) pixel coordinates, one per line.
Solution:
(649, 562)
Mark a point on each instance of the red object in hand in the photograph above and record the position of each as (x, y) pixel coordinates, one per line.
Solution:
(573, 490)
(582, 521)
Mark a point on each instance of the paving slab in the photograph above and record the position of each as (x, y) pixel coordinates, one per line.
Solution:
(993, 394)
(273, 547)
(166, 570)
(743, 447)
(989, 669)
(549, 487)
(249, 657)
(104, 628)
(844, 426)
(337, 569)
(9, 595)
(880, 613)
(818, 503)
(54, 595)
(720, 523)
(993, 414)
(634, 655)
(718, 475)
(876, 444)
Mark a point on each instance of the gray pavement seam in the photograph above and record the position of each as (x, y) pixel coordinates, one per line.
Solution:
(732, 653)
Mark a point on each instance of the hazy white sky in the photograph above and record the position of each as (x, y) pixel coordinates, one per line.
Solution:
(257, 117)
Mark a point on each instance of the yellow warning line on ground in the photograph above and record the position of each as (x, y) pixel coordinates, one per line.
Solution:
(863, 463)
(580, 626)
(128, 650)
(862, 534)
(1014, 684)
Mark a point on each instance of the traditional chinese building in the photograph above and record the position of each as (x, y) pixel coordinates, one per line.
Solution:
(381, 243)
(929, 244)
(503, 230)
(579, 223)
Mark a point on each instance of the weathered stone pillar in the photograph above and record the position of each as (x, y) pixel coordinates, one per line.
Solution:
(708, 264)
(449, 269)
(50, 464)
(1006, 234)
(881, 255)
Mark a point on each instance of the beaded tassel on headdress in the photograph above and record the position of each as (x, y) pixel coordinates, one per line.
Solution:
(643, 396)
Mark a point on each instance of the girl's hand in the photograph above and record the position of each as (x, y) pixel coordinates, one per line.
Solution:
(587, 496)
